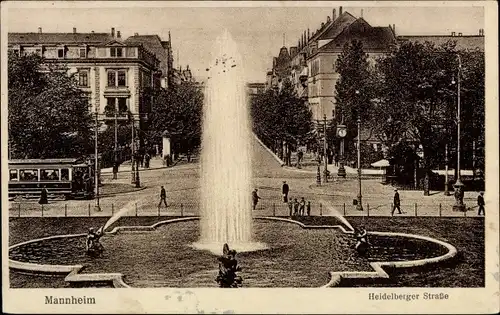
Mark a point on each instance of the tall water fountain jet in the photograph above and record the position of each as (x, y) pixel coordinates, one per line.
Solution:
(226, 156)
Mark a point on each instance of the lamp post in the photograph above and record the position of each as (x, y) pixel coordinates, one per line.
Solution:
(459, 186)
(132, 153)
(324, 150)
(96, 161)
(359, 205)
(446, 192)
(341, 132)
(115, 168)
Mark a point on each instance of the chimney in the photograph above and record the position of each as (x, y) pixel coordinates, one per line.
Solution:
(112, 32)
(92, 32)
(40, 30)
(334, 14)
(361, 13)
(459, 34)
(340, 11)
(74, 30)
(328, 19)
(322, 24)
(452, 33)
(136, 34)
(118, 35)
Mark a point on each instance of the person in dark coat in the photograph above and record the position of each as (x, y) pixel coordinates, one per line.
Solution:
(43, 197)
(480, 203)
(308, 208)
(295, 207)
(163, 197)
(255, 198)
(302, 206)
(285, 189)
(397, 203)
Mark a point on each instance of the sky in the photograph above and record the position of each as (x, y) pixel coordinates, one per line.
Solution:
(258, 31)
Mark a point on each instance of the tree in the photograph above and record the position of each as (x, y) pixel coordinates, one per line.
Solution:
(179, 112)
(49, 115)
(353, 90)
(416, 100)
(280, 116)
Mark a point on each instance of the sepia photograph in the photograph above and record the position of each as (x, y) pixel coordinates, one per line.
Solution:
(177, 146)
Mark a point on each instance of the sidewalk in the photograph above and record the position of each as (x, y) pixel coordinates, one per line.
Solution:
(154, 163)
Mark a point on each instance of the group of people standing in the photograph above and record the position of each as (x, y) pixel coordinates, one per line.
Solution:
(295, 207)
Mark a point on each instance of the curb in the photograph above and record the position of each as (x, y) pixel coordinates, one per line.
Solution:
(145, 169)
(74, 275)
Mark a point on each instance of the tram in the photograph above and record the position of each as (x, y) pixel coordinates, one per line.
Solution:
(69, 178)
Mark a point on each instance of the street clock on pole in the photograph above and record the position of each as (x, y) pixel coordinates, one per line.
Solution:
(341, 131)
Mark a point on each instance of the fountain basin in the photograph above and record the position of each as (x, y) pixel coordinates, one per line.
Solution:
(163, 257)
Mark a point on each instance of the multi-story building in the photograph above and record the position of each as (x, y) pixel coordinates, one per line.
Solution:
(162, 50)
(116, 74)
(311, 64)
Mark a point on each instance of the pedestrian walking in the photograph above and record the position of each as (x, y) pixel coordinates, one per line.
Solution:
(295, 207)
(285, 190)
(308, 208)
(300, 155)
(43, 197)
(147, 158)
(480, 203)
(163, 197)
(336, 160)
(290, 207)
(302, 206)
(397, 203)
(255, 198)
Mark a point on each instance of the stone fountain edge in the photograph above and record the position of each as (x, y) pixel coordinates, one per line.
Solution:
(74, 276)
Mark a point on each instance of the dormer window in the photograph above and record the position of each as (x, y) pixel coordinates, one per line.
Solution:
(116, 52)
(83, 52)
(60, 53)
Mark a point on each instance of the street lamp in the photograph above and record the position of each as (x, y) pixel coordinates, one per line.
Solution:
(115, 166)
(359, 205)
(341, 132)
(459, 186)
(324, 149)
(96, 161)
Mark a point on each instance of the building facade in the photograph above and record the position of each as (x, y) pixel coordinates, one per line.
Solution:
(310, 65)
(112, 72)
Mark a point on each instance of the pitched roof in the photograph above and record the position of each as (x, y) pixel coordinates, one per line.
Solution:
(335, 27)
(58, 38)
(468, 42)
(154, 44)
(373, 38)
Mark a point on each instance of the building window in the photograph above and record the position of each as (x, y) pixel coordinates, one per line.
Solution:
(116, 52)
(83, 78)
(60, 53)
(13, 175)
(116, 103)
(117, 78)
(83, 53)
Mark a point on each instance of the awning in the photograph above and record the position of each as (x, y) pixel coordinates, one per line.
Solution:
(381, 163)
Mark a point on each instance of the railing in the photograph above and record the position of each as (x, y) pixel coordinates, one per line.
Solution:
(263, 208)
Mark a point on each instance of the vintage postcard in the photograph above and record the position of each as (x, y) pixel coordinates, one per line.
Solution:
(250, 157)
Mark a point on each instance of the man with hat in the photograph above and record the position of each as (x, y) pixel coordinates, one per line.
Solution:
(285, 190)
(480, 203)
(397, 203)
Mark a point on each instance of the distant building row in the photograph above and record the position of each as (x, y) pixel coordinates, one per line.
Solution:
(310, 65)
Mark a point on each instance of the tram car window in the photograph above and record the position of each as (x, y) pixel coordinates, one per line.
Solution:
(29, 175)
(13, 175)
(64, 174)
(49, 174)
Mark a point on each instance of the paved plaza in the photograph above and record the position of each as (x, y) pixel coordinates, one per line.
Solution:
(182, 184)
